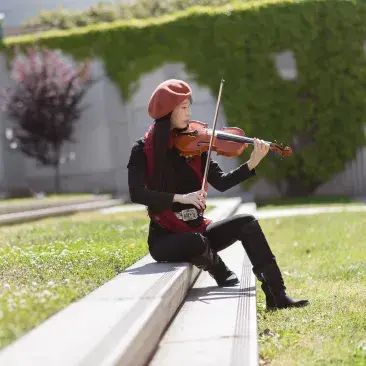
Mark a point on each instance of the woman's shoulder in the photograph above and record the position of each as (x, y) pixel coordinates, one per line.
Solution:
(138, 145)
(137, 156)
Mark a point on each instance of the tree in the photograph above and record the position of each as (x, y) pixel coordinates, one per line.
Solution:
(44, 104)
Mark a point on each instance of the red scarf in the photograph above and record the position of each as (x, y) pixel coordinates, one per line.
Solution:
(167, 218)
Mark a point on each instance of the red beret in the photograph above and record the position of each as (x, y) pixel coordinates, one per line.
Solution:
(167, 96)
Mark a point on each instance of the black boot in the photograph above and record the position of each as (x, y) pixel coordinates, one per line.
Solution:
(270, 301)
(260, 254)
(274, 288)
(223, 275)
(211, 262)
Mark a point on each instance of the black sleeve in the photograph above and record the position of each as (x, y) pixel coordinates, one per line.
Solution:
(223, 181)
(157, 201)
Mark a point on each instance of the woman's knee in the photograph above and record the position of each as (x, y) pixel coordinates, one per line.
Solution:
(250, 225)
(244, 219)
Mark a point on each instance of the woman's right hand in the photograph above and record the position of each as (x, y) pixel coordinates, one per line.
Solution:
(197, 199)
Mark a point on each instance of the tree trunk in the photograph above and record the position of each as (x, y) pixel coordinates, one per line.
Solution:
(57, 156)
(57, 181)
(297, 187)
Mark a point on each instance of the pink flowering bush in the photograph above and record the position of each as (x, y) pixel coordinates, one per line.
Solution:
(44, 103)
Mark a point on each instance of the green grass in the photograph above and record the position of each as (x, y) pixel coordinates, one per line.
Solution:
(291, 202)
(49, 198)
(209, 208)
(46, 265)
(323, 259)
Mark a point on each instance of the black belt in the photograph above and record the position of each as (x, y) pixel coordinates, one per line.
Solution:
(187, 215)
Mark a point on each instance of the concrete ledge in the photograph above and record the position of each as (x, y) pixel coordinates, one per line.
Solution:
(215, 326)
(118, 324)
(19, 217)
(47, 203)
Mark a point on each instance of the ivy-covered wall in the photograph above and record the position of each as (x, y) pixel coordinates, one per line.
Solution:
(320, 114)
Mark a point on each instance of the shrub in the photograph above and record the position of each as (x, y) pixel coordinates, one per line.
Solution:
(321, 114)
(44, 103)
(109, 12)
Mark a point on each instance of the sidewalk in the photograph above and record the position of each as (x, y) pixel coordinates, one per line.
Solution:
(215, 326)
(301, 211)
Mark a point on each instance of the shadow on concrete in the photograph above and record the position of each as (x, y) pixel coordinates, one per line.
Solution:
(155, 267)
(215, 293)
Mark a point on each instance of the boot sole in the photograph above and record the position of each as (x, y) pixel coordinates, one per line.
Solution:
(296, 305)
(229, 283)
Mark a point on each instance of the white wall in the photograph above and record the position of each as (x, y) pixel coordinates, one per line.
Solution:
(105, 135)
(98, 134)
(108, 129)
(12, 170)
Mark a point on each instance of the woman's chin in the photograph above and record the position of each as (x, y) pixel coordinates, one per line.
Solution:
(181, 127)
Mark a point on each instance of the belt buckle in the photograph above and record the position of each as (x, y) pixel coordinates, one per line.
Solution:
(189, 214)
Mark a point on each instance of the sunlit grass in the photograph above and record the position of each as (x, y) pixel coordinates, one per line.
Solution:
(46, 265)
(323, 259)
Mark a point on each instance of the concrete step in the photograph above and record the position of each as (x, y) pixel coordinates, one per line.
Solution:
(25, 216)
(249, 208)
(42, 203)
(215, 326)
(120, 323)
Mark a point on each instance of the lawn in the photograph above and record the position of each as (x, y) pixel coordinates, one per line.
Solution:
(46, 265)
(323, 259)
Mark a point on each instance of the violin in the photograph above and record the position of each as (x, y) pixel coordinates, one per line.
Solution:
(229, 141)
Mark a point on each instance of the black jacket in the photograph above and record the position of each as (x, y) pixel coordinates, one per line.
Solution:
(185, 179)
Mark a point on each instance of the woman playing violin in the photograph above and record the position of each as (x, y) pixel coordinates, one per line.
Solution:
(169, 184)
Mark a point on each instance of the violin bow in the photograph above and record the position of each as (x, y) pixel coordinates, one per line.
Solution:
(212, 136)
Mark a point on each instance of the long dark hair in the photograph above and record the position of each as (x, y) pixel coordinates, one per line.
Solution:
(163, 177)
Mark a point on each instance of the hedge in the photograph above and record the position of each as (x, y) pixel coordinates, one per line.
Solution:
(321, 114)
(110, 12)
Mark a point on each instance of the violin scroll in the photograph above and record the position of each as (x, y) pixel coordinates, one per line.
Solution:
(280, 149)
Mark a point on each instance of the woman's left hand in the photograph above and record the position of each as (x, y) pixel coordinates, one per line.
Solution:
(259, 152)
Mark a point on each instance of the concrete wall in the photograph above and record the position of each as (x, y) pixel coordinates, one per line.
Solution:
(12, 166)
(101, 140)
(105, 135)
(108, 129)
(352, 181)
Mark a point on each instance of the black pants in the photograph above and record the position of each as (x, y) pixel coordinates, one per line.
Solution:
(182, 247)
